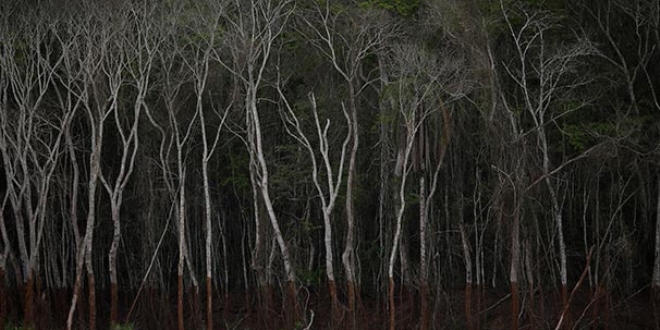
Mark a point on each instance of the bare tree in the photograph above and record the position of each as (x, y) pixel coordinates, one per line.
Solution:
(415, 82)
(346, 50)
(176, 133)
(32, 136)
(254, 29)
(199, 65)
(542, 76)
(135, 52)
(100, 99)
(332, 182)
(6, 244)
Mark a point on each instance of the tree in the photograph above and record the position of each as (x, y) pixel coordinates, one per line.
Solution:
(31, 139)
(333, 180)
(253, 31)
(542, 77)
(99, 99)
(416, 81)
(346, 46)
(199, 65)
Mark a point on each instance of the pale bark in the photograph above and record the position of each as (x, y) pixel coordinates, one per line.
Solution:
(358, 44)
(467, 255)
(200, 69)
(256, 31)
(129, 144)
(405, 168)
(333, 180)
(348, 256)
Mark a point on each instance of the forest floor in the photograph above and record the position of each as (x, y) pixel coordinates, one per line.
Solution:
(157, 311)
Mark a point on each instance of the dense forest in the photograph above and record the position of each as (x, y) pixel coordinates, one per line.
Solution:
(318, 164)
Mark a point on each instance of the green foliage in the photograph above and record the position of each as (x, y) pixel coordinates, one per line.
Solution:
(238, 168)
(412, 199)
(10, 326)
(126, 326)
(313, 277)
(405, 8)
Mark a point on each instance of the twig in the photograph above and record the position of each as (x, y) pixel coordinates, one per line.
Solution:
(577, 286)
(151, 264)
(311, 320)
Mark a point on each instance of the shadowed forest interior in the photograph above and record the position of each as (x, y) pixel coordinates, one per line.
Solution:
(317, 164)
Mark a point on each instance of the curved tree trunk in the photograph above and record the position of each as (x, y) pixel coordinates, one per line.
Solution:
(292, 301)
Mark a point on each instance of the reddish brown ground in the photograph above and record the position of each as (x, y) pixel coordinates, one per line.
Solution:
(157, 311)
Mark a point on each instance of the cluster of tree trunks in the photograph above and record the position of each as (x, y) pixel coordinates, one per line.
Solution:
(304, 150)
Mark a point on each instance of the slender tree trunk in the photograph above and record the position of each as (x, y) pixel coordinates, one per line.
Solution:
(329, 268)
(468, 275)
(515, 261)
(348, 254)
(29, 298)
(251, 101)
(179, 296)
(91, 294)
(402, 165)
(655, 280)
(530, 280)
(390, 301)
(91, 283)
(209, 228)
(423, 260)
(3, 296)
(562, 246)
(84, 256)
(180, 264)
(112, 264)
(406, 275)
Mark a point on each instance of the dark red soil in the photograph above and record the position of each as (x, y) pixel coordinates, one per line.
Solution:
(156, 310)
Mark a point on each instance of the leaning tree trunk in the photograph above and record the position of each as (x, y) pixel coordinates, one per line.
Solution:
(293, 313)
